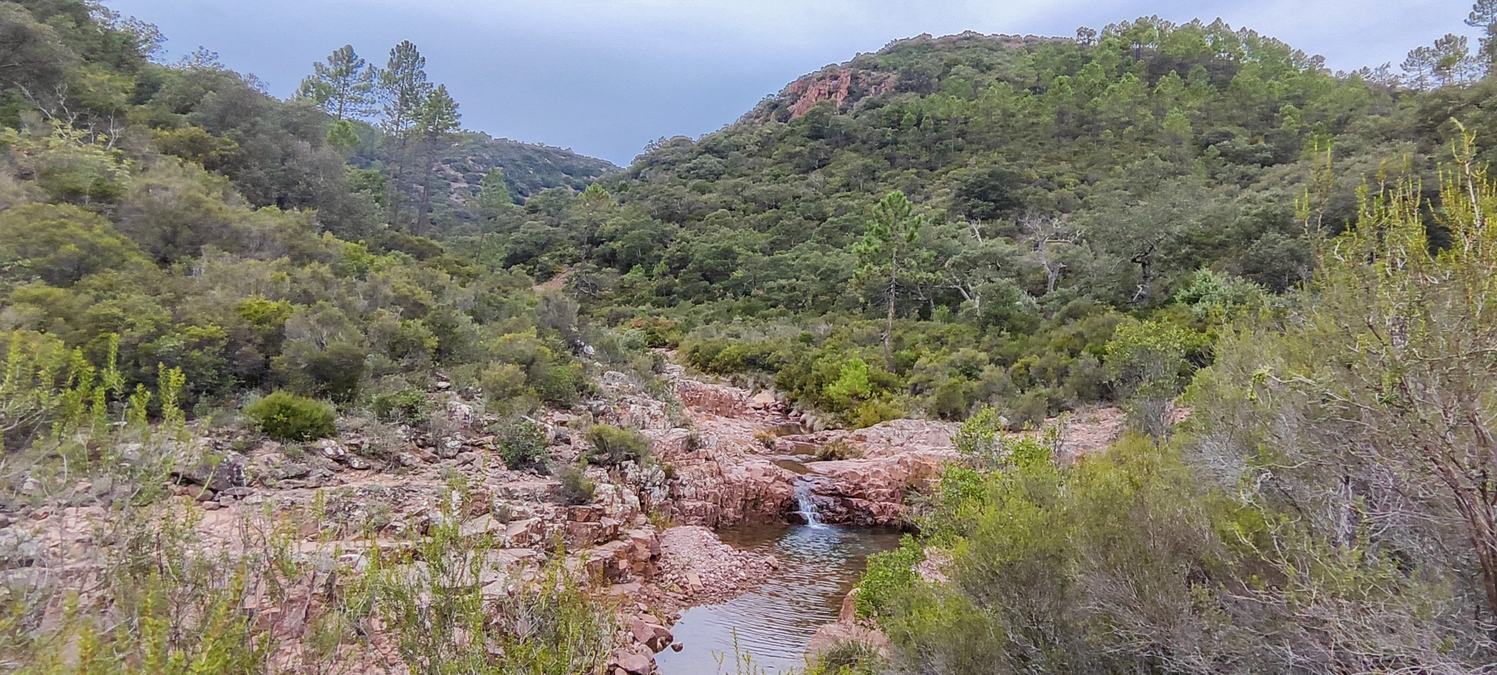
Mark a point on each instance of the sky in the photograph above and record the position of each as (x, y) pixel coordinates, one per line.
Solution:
(606, 77)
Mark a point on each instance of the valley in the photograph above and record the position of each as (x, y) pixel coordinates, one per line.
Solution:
(1159, 347)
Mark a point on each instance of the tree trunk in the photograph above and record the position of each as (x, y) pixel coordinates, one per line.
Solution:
(1145, 272)
(889, 324)
(397, 174)
(423, 207)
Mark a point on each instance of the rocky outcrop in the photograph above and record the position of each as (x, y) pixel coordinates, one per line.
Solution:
(716, 493)
(884, 463)
(843, 86)
(871, 492)
(722, 474)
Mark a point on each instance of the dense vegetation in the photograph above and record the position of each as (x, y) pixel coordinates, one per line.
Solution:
(1325, 509)
(984, 228)
(206, 226)
(180, 251)
(1057, 187)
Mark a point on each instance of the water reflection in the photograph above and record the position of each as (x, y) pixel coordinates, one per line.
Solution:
(773, 623)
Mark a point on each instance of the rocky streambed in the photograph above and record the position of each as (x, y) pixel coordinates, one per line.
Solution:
(679, 542)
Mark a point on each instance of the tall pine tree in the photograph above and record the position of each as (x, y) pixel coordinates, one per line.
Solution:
(437, 121)
(888, 255)
(403, 89)
(342, 84)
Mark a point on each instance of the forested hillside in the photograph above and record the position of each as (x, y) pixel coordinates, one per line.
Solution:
(1279, 273)
(1059, 185)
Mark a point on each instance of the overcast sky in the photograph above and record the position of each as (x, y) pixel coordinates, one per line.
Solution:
(605, 77)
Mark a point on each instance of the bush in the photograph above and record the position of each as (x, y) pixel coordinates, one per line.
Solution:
(848, 657)
(836, 449)
(888, 574)
(558, 382)
(1030, 409)
(658, 331)
(407, 406)
(288, 417)
(442, 622)
(576, 487)
(870, 413)
(337, 370)
(951, 399)
(522, 444)
(977, 438)
(504, 386)
(612, 446)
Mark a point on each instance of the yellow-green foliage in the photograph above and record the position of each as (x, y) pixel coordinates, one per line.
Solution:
(890, 575)
(611, 445)
(525, 369)
(288, 417)
(1026, 547)
(162, 606)
(444, 621)
(46, 386)
(69, 165)
(846, 658)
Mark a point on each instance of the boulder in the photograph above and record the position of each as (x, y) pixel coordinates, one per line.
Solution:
(762, 400)
(632, 660)
(648, 632)
(215, 474)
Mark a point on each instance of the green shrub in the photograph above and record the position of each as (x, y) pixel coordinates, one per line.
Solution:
(576, 487)
(407, 406)
(951, 399)
(612, 446)
(288, 417)
(870, 413)
(558, 382)
(658, 331)
(977, 438)
(337, 370)
(1030, 409)
(504, 386)
(888, 574)
(522, 444)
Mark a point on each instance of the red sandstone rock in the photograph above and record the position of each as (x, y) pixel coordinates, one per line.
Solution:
(840, 85)
(634, 660)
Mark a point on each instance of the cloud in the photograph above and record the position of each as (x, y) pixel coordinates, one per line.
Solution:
(607, 76)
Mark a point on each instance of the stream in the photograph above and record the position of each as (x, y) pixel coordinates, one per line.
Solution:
(773, 623)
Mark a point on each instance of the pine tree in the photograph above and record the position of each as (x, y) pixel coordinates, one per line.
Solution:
(493, 194)
(437, 121)
(403, 89)
(888, 254)
(1447, 61)
(1484, 16)
(342, 85)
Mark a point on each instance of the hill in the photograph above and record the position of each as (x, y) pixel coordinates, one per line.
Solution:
(461, 165)
(529, 168)
(1062, 185)
(312, 329)
(1006, 133)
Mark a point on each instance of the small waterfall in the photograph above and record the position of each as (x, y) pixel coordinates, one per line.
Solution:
(804, 504)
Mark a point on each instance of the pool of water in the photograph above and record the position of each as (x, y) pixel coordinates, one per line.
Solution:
(772, 624)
